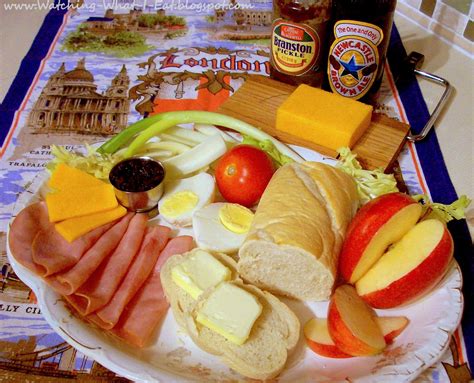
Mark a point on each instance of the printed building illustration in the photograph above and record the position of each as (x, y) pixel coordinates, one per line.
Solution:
(135, 21)
(69, 102)
(245, 16)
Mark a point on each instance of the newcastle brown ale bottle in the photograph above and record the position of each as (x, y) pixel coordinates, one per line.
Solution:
(359, 37)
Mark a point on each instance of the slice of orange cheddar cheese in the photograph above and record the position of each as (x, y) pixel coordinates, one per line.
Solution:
(65, 177)
(79, 201)
(73, 228)
(324, 118)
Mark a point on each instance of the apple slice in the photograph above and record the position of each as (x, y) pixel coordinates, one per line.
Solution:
(318, 339)
(352, 324)
(377, 225)
(411, 268)
(392, 327)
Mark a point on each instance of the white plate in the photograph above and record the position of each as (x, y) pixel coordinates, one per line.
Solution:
(174, 358)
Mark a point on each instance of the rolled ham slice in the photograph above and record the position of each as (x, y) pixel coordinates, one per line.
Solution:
(153, 243)
(99, 288)
(68, 282)
(25, 227)
(52, 253)
(147, 308)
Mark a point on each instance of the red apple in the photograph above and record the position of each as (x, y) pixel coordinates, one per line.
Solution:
(410, 268)
(318, 339)
(377, 225)
(392, 327)
(352, 324)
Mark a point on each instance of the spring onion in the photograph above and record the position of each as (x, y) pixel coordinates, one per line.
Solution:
(200, 156)
(164, 121)
(209, 130)
(121, 139)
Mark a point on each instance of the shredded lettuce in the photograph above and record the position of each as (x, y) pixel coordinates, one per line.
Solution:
(370, 183)
(92, 162)
(267, 146)
(445, 213)
(373, 183)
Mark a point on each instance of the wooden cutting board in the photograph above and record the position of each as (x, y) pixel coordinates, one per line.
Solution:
(256, 103)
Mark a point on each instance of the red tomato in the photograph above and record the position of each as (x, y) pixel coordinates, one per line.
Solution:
(243, 173)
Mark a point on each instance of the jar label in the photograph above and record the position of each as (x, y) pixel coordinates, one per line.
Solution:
(354, 58)
(295, 47)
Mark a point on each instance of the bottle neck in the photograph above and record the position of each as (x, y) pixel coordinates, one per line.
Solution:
(363, 9)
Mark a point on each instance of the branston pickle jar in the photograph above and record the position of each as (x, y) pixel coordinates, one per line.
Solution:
(359, 37)
(298, 41)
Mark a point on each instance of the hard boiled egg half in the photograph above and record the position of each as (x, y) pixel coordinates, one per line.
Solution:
(183, 197)
(221, 227)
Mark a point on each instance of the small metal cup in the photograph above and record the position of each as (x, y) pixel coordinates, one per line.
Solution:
(140, 199)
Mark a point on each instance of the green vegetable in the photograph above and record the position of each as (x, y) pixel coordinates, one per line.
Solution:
(370, 183)
(268, 147)
(445, 213)
(121, 139)
(161, 122)
(94, 163)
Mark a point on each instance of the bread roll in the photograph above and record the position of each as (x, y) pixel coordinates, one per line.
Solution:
(298, 229)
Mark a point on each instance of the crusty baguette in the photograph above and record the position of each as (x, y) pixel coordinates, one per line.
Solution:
(274, 334)
(298, 229)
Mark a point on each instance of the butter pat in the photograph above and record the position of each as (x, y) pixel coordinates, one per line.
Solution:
(199, 272)
(73, 228)
(324, 118)
(231, 312)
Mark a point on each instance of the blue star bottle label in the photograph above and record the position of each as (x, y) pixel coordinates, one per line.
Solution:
(353, 58)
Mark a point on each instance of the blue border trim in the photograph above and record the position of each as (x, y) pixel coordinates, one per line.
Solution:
(437, 179)
(29, 67)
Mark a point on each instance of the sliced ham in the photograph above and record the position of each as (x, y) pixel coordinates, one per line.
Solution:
(153, 243)
(99, 288)
(53, 254)
(26, 225)
(147, 308)
(69, 281)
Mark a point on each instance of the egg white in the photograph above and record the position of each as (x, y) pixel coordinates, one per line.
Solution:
(210, 234)
(202, 184)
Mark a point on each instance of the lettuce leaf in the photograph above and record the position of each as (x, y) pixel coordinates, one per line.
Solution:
(92, 162)
(442, 212)
(370, 183)
(268, 147)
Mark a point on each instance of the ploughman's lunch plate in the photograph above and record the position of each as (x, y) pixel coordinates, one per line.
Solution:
(173, 357)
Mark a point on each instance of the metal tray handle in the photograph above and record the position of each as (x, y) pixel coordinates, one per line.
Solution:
(414, 62)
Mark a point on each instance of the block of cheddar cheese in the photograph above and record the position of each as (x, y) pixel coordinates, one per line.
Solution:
(324, 118)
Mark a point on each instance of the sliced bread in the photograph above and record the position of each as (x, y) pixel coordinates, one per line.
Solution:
(180, 301)
(274, 334)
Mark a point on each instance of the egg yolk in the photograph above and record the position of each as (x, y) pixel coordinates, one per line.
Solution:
(236, 218)
(179, 203)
